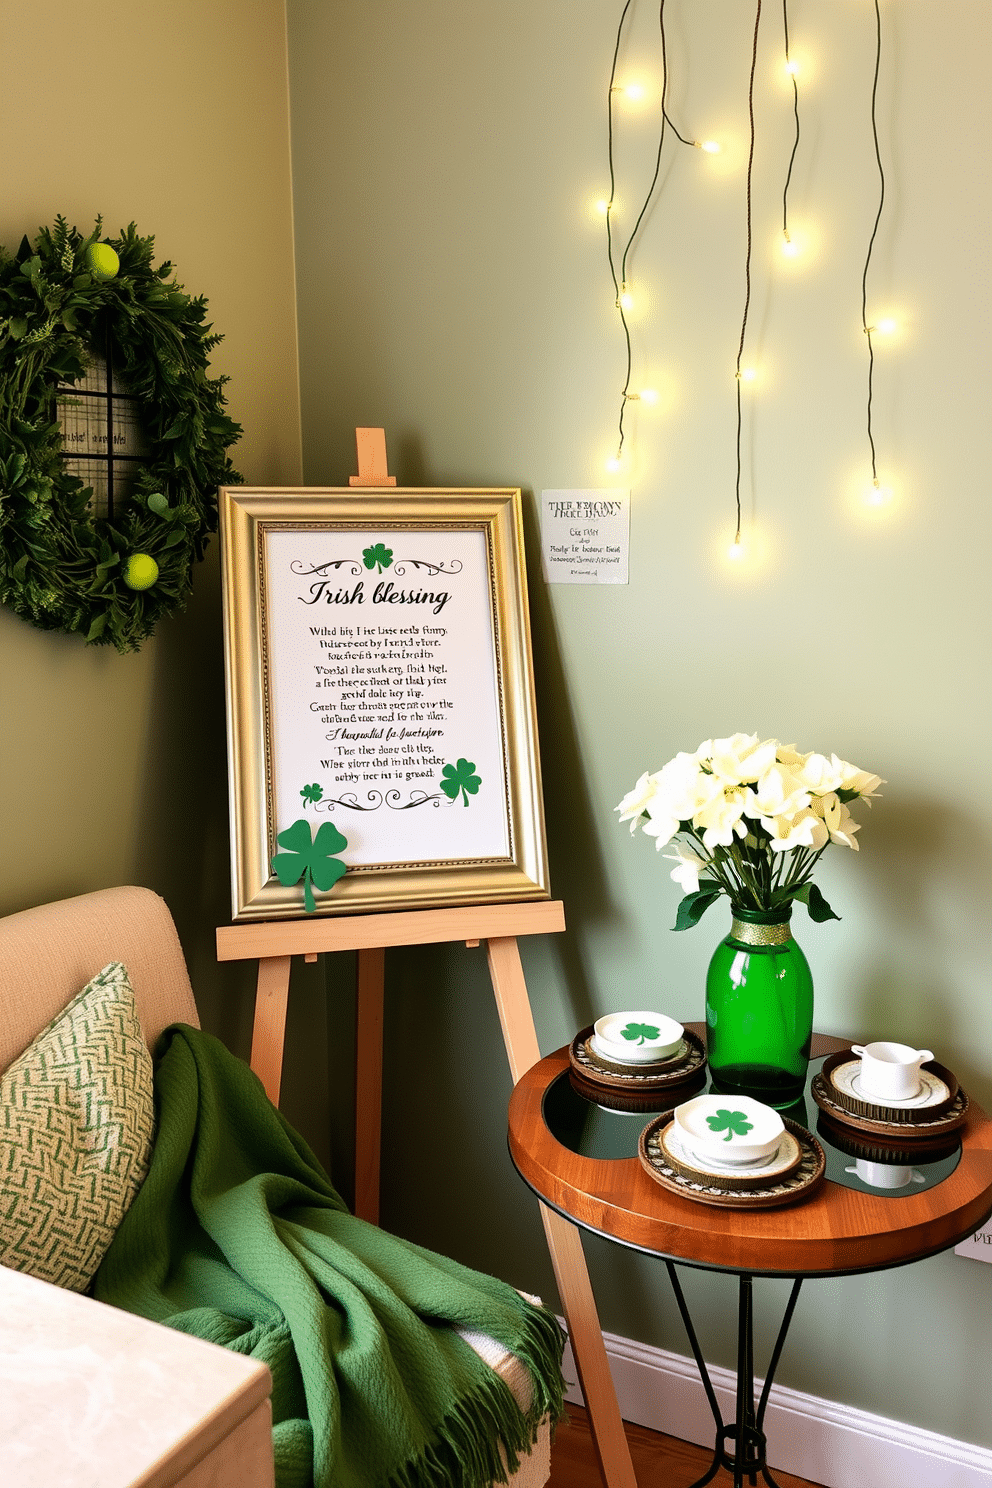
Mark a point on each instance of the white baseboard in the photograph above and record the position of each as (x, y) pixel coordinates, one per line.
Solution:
(835, 1445)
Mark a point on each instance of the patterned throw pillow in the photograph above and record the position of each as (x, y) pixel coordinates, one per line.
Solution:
(76, 1127)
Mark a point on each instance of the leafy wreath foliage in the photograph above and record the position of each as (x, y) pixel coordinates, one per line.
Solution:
(61, 567)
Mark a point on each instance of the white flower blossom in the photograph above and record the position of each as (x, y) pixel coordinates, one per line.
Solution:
(837, 819)
(688, 869)
(779, 793)
(753, 799)
(788, 832)
(741, 760)
(636, 801)
(820, 774)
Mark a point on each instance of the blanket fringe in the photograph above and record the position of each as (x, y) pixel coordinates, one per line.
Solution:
(466, 1453)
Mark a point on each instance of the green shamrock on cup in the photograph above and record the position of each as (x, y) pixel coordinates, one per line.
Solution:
(639, 1032)
(734, 1123)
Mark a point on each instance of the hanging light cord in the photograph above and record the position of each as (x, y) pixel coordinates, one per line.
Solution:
(871, 244)
(747, 261)
(620, 284)
(795, 110)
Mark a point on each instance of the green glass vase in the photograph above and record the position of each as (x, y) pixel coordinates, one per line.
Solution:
(759, 1009)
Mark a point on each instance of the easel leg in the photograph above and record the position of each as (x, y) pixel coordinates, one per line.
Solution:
(564, 1241)
(269, 1031)
(368, 1081)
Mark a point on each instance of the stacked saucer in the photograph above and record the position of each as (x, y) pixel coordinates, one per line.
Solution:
(731, 1151)
(636, 1062)
(939, 1107)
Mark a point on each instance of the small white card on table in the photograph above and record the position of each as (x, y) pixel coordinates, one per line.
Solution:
(585, 536)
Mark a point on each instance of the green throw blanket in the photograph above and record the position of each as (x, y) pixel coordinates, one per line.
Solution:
(238, 1236)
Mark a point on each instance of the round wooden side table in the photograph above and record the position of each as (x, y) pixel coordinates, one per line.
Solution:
(582, 1162)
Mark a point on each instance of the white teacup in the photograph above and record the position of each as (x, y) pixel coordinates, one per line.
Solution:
(890, 1071)
(882, 1175)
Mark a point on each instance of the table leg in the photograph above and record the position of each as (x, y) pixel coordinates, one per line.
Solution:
(746, 1432)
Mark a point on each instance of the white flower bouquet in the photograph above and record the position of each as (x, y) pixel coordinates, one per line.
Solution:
(754, 817)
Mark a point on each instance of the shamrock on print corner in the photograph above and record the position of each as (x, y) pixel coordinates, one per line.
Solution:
(311, 859)
(460, 777)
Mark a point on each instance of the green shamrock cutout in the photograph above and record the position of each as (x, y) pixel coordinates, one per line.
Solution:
(311, 861)
(732, 1122)
(379, 555)
(460, 777)
(311, 794)
(640, 1032)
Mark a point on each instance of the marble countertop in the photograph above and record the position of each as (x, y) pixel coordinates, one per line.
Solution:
(91, 1397)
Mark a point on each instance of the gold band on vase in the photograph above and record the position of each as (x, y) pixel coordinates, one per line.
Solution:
(760, 935)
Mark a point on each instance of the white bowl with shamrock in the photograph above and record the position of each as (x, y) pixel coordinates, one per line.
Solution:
(730, 1130)
(636, 1038)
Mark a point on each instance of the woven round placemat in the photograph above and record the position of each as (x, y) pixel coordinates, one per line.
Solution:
(932, 1126)
(683, 1065)
(878, 1110)
(714, 1189)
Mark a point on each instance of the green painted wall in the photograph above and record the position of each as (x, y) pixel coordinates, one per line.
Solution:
(453, 288)
(113, 769)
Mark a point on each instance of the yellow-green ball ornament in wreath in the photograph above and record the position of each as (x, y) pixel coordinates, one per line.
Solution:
(65, 564)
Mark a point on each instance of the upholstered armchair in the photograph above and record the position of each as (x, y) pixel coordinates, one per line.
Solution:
(48, 955)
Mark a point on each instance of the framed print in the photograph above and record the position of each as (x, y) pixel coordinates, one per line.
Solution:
(382, 732)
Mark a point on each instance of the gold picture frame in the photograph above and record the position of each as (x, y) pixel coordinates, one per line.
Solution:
(352, 698)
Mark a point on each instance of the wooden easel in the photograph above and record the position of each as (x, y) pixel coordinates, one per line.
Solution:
(275, 942)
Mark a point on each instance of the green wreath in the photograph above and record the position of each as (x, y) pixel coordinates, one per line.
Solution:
(110, 578)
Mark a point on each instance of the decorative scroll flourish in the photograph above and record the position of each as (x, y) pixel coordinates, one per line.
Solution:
(298, 567)
(349, 799)
(376, 557)
(402, 564)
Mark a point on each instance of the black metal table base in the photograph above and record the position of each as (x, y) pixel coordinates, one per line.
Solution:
(745, 1433)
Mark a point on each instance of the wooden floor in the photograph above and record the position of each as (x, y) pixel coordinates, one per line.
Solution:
(659, 1461)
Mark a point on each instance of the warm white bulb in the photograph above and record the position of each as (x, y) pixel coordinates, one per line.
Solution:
(886, 326)
(792, 68)
(710, 146)
(736, 550)
(602, 207)
(626, 301)
(634, 92)
(613, 464)
(789, 247)
(877, 494)
(747, 374)
(649, 395)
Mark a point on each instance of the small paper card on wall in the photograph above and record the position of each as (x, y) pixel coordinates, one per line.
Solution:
(585, 536)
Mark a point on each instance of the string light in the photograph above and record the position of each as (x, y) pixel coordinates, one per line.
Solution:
(869, 329)
(747, 264)
(623, 299)
(789, 248)
(877, 494)
(634, 91)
